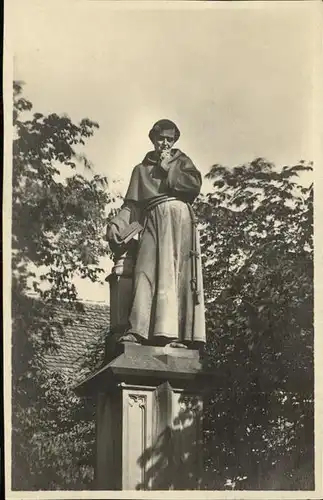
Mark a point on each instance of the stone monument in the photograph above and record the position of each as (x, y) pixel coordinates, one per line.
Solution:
(149, 391)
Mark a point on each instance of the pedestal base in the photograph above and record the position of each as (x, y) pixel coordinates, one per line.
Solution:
(149, 419)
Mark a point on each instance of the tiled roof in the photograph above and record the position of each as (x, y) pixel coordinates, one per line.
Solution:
(85, 332)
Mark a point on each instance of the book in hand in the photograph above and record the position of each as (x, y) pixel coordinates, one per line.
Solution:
(130, 232)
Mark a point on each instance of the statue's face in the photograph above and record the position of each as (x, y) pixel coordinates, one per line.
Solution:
(164, 141)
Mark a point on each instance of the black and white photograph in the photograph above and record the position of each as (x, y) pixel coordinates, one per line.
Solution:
(159, 170)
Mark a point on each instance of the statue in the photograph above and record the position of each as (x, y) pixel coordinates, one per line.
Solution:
(167, 304)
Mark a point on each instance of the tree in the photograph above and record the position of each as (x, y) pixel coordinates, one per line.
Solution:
(58, 219)
(257, 245)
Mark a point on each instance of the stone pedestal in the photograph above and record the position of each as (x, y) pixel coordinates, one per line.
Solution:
(149, 419)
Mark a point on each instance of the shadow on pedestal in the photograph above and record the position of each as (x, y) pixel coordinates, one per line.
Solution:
(174, 461)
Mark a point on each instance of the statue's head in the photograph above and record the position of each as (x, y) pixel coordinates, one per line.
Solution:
(163, 135)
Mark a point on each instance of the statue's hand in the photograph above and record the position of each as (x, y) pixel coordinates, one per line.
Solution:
(116, 247)
(164, 159)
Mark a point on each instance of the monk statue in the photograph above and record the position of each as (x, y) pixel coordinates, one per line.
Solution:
(167, 303)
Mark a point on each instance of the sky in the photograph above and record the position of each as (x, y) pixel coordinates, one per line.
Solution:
(237, 79)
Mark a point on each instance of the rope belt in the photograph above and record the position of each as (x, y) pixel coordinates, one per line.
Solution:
(194, 255)
(154, 202)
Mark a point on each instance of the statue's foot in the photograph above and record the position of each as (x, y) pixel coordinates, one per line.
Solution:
(129, 337)
(176, 344)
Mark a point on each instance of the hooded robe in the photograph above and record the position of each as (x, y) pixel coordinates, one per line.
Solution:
(163, 302)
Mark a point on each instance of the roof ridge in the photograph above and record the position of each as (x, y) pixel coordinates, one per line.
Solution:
(36, 296)
(99, 302)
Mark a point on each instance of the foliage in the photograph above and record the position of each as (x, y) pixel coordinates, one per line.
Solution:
(57, 435)
(58, 219)
(257, 245)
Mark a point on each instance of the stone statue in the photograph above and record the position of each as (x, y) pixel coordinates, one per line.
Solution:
(167, 304)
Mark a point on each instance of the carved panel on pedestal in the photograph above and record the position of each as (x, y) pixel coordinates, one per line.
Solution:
(136, 440)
